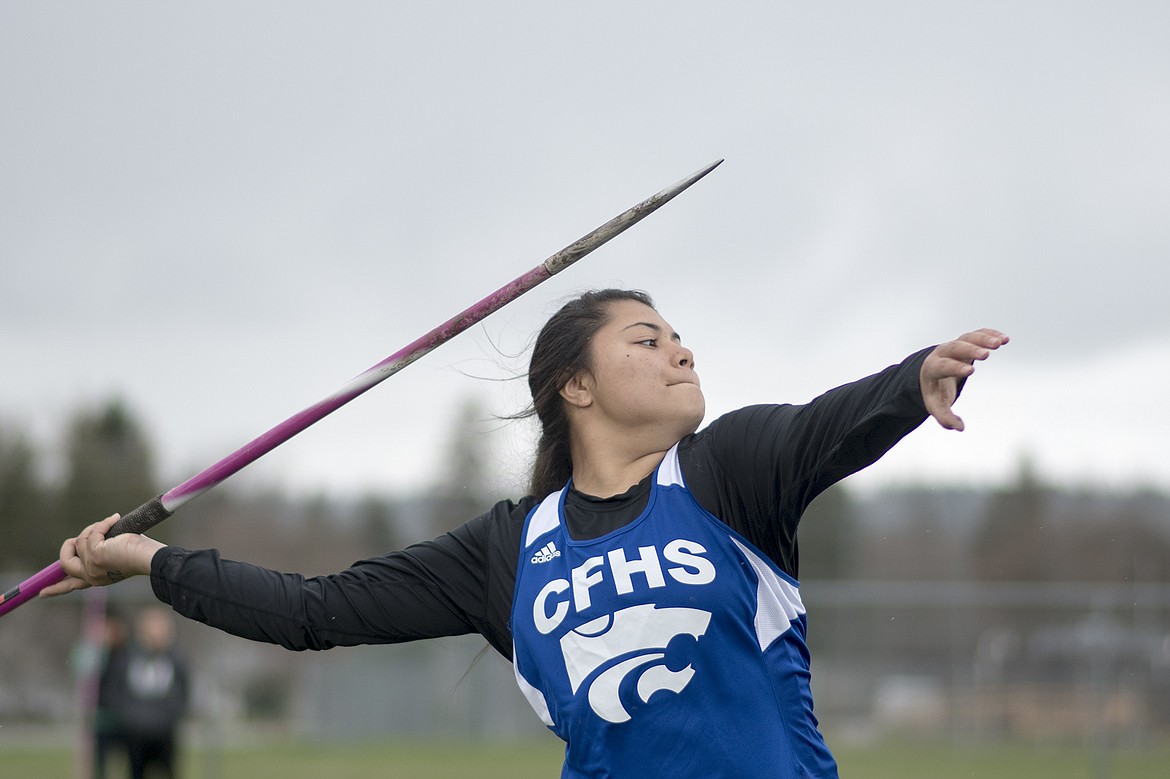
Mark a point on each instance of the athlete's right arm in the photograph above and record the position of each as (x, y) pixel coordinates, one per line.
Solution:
(452, 585)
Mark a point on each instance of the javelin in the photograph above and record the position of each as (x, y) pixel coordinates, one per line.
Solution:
(157, 509)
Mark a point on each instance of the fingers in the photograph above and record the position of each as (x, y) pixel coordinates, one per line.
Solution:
(69, 584)
(104, 526)
(70, 561)
(90, 559)
(956, 359)
(89, 538)
(969, 347)
(80, 559)
(979, 344)
(992, 339)
(74, 569)
(938, 396)
(949, 363)
(949, 419)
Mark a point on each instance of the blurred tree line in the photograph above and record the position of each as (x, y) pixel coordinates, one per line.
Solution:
(1025, 531)
(107, 463)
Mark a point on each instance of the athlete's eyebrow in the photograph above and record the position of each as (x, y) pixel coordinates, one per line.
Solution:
(656, 328)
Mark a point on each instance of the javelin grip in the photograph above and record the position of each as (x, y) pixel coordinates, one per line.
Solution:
(140, 519)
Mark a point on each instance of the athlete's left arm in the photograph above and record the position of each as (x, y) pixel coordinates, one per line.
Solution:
(757, 468)
(851, 427)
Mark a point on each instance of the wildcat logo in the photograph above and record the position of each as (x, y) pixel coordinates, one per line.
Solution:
(636, 644)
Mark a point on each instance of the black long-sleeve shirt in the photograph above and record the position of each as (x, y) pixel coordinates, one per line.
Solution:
(756, 469)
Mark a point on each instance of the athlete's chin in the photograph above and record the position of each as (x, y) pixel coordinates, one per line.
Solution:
(682, 422)
(687, 406)
(698, 403)
(695, 416)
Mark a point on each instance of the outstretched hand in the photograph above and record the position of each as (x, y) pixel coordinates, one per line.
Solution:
(947, 365)
(92, 559)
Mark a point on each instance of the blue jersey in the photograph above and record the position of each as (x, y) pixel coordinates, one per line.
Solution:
(668, 647)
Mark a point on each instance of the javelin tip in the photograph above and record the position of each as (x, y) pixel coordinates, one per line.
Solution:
(680, 186)
(578, 249)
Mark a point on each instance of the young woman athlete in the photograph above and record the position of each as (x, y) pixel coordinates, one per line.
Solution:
(646, 591)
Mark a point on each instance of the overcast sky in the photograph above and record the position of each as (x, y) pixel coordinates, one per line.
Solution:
(221, 212)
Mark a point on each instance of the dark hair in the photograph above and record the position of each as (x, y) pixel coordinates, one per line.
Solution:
(561, 351)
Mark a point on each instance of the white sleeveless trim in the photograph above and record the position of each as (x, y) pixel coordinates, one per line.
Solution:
(778, 603)
(669, 471)
(534, 696)
(544, 518)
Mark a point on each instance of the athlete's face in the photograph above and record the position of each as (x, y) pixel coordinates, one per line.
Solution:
(641, 375)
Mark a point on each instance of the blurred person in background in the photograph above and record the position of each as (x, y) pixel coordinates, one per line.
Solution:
(109, 734)
(147, 695)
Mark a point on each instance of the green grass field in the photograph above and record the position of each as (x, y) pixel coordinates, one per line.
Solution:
(542, 760)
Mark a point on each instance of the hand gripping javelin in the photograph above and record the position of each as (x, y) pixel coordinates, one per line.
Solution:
(157, 509)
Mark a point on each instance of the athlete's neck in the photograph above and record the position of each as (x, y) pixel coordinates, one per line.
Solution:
(605, 477)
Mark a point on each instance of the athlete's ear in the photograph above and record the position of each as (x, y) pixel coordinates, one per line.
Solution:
(578, 390)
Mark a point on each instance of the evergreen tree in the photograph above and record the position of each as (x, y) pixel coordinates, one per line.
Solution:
(827, 536)
(1015, 539)
(109, 467)
(377, 525)
(464, 488)
(22, 505)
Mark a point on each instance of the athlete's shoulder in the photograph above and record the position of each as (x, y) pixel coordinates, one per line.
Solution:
(732, 430)
(504, 520)
(750, 416)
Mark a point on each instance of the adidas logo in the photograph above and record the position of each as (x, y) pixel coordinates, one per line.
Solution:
(546, 553)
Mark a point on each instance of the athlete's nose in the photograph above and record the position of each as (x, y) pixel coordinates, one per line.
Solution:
(685, 358)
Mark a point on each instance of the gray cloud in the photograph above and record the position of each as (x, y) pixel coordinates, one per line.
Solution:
(225, 211)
